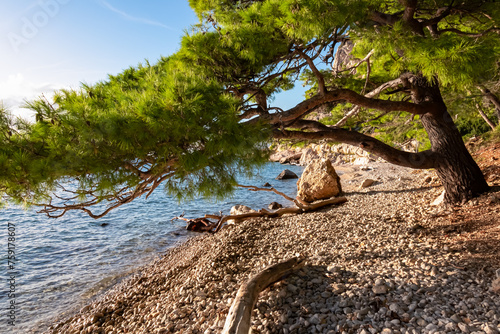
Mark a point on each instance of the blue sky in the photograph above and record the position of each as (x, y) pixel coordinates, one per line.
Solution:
(53, 44)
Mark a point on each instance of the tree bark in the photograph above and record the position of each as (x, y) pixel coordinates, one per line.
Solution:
(460, 175)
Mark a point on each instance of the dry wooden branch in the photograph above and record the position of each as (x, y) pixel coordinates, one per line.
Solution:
(238, 320)
(277, 213)
(204, 225)
(297, 201)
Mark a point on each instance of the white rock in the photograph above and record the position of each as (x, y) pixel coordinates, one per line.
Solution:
(239, 210)
(439, 200)
(361, 161)
(366, 183)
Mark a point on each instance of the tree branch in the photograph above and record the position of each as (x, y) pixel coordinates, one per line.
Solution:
(421, 160)
(470, 34)
(123, 196)
(490, 96)
(485, 117)
(354, 111)
(314, 69)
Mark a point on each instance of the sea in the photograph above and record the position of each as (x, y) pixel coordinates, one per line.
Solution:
(51, 268)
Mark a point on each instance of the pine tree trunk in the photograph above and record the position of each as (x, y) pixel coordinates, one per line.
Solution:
(460, 175)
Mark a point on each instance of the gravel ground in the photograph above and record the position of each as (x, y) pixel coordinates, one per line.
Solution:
(374, 265)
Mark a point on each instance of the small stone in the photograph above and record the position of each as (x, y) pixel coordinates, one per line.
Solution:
(366, 183)
(431, 327)
(463, 327)
(338, 288)
(363, 311)
(315, 320)
(421, 322)
(394, 307)
(439, 200)
(326, 294)
(495, 285)
(275, 206)
(380, 289)
(292, 288)
(451, 326)
(490, 314)
(488, 329)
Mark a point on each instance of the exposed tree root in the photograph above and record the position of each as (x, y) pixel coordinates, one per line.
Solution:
(205, 225)
(238, 320)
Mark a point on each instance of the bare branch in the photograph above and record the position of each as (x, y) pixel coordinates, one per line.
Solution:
(314, 69)
(490, 96)
(485, 117)
(238, 320)
(123, 196)
(365, 59)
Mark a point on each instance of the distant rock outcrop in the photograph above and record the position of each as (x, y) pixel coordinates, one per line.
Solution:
(308, 155)
(318, 181)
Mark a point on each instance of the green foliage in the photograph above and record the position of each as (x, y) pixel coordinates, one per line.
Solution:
(182, 121)
(160, 119)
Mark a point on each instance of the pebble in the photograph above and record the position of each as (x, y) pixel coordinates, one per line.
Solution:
(365, 274)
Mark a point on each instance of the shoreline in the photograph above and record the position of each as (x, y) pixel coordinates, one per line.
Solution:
(374, 265)
(100, 289)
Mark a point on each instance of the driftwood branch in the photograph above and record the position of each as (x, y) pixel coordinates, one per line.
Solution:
(205, 225)
(277, 213)
(238, 320)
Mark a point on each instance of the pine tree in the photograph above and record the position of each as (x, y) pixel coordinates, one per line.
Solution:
(195, 119)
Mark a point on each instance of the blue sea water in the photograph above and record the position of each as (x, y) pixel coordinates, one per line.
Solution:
(62, 264)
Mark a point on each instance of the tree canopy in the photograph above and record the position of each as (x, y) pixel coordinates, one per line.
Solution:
(195, 119)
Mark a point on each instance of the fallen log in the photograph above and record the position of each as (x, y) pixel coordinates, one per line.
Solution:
(238, 320)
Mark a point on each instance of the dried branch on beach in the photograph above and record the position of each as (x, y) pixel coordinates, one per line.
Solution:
(238, 320)
(204, 224)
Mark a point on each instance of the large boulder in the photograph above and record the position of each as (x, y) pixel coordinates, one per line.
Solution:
(318, 181)
(287, 174)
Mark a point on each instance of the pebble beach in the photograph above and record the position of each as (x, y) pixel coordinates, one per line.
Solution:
(383, 262)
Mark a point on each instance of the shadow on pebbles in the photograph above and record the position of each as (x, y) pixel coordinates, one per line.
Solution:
(371, 268)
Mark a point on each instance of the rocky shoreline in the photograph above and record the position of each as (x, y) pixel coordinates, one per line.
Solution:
(380, 263)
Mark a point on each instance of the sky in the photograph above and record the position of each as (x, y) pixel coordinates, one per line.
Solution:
(47, 45)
